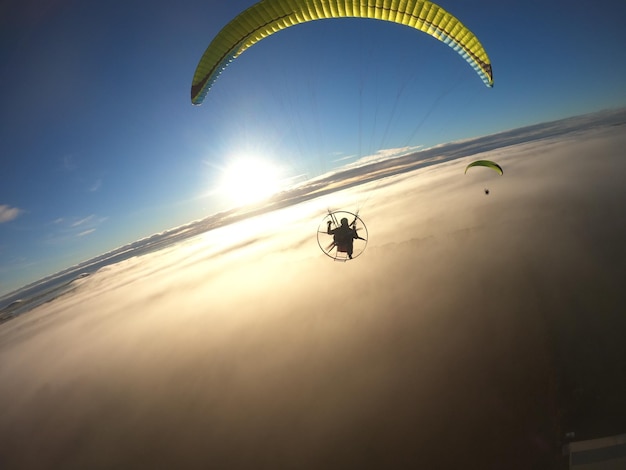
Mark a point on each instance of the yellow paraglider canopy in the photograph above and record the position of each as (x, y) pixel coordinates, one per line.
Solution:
(269, 16)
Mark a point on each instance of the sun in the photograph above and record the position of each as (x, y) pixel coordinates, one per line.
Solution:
(249, 180)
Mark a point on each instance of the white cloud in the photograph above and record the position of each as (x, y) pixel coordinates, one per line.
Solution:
(68, 163)
(8, 213)
(95, 186)
(382, 155)
(250, 336)
(67, 229)
(83, 221)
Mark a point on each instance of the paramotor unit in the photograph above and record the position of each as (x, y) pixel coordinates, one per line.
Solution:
(342, 235)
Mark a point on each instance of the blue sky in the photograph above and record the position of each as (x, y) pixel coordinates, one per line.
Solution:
(100, 145)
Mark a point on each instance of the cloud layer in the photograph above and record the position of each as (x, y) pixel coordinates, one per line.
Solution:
(474, 329)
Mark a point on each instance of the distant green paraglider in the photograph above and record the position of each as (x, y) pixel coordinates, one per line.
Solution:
(486, 163)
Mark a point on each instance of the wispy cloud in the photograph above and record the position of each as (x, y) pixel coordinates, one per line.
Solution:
(68, 163)
(70, 228)
(95, 186)
(385, 154)
(83, 221)
(8, 213)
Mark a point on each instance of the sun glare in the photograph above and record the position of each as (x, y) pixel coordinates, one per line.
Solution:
(250, 180)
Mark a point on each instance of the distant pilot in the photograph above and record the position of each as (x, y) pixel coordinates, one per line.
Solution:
(343, 236)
